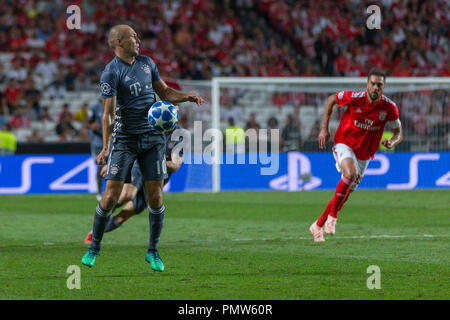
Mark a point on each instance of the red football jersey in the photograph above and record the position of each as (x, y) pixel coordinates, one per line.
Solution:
(362, 124)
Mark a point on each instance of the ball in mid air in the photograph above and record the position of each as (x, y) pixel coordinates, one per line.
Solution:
(163, 116)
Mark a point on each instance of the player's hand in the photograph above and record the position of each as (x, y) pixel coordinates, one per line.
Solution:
(323, 138)
(102, 156)
(387, 143)
(103, 171)
(194, 97)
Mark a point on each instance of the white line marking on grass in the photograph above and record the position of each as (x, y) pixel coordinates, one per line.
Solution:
(382, 236)
(376, 236)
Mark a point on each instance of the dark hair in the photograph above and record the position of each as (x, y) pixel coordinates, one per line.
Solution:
(377, 72)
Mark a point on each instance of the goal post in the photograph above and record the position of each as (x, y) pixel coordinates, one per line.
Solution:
(327, 85)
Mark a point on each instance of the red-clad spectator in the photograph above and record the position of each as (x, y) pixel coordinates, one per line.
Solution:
(13, 93)
(402, 70)
(18, 120)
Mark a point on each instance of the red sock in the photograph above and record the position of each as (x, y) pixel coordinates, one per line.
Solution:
(341, 194)
(335, 204)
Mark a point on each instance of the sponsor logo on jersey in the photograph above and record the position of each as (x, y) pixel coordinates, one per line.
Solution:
(358, 94)
(367, 125)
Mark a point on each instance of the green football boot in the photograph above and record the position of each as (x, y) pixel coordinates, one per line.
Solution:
(155, 260)
(90, 257)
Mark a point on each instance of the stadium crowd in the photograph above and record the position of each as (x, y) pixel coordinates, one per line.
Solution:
(330, 38)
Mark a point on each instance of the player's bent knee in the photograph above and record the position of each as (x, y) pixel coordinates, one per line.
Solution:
(108, 201)
(155, 200)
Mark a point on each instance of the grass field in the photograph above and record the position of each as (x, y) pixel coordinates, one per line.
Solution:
(232, 246)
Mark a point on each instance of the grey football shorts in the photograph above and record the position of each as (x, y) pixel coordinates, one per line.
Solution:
(147, 148)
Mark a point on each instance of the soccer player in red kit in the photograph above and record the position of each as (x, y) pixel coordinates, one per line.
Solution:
(356, 141)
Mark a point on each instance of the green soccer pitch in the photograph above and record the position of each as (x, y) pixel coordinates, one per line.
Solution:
(236, 245)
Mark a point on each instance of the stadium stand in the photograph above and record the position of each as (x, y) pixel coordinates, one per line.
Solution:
(43, 65)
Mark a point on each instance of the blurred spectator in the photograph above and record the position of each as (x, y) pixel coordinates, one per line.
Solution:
(35, 136)
(46, 68)
(57, 90)
(82, 82)
(81, 114)
(8, 143)
(13, 94)
(65, 113)
(290, 135)
(18, 71)
(420, 122)
(64, 128)
(45, 116)
(252, 123)
(32, 95)
(29, 112)
(3, 77)
(315, 130)
(19, 120)
(234, 137)
(83, 134)
(227, 110)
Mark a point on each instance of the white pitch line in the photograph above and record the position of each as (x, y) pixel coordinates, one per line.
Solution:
(386, 236)
(377, 236)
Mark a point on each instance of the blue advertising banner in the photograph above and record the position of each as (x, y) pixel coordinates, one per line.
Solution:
(293, 171)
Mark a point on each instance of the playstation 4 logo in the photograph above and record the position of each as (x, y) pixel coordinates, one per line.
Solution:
(299, 176)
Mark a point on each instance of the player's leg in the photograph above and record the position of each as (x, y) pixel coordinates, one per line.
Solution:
(102, 211)
(154, 171)
(120, 161)
(128, 193)
(330, 224)
(132, 208)
(347, 164)
(156, 220)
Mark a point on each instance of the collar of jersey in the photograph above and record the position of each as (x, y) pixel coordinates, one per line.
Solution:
(126, 63)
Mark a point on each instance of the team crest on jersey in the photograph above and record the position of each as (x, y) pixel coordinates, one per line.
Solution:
(340, 95)
(146, 68)
(114, 169)
(382, 115)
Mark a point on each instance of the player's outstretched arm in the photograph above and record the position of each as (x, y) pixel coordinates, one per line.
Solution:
(109, 109)
(395, 140)
(170, 94)
(324, 134)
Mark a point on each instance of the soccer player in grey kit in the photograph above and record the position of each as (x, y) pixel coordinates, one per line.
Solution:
(128, 86)
(95, 115)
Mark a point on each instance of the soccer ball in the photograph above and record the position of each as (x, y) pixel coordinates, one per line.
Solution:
(163, 116)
